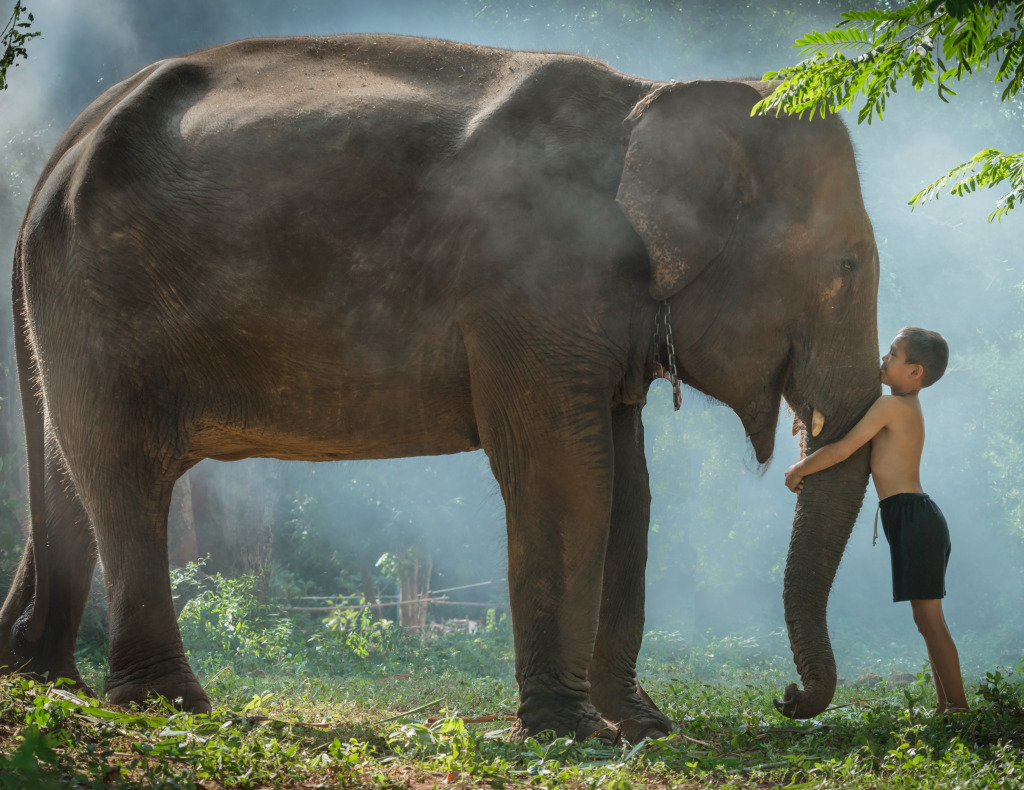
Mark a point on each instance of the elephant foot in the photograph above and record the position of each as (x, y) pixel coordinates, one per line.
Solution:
(651, 723)
(173, 681)
(79, 687)
(636, 716)
(69, 675)
(72, 680)
(45, 666)
(573, 719)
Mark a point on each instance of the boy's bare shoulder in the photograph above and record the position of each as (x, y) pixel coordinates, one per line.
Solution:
(886, 403)
(899, 407)
(899, 401)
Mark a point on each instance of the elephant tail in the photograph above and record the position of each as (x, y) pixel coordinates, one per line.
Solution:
(32, 413)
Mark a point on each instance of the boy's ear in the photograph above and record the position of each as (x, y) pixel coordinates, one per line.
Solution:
(917, 371)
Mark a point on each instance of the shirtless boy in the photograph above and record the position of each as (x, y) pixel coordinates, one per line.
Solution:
(914, 526)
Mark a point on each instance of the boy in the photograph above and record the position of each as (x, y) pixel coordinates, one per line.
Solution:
(914, 526)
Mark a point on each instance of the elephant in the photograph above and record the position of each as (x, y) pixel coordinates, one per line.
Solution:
(373, 246)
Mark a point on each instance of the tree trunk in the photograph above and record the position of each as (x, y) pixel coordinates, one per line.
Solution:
(408, 589)
(414, 588)
(421, 619)
(369, 594)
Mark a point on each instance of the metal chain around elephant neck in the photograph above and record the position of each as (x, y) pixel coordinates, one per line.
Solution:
(663, 322)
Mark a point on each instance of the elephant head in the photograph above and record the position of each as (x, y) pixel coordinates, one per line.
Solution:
(758, 239)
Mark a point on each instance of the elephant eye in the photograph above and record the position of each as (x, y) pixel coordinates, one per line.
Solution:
(849, 263)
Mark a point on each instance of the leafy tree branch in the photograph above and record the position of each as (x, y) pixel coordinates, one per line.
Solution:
(13, 38)
(931, 42)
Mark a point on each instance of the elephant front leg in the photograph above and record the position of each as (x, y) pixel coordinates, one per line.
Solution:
(43, 643)
(557, 530)
(615, 689)
(552, 460)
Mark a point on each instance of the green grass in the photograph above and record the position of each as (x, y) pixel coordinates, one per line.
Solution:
(300, 705)
(290, 730)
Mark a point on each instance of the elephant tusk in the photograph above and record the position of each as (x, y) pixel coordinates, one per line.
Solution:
(817, 422)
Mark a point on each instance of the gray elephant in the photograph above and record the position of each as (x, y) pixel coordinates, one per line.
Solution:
(379, 246)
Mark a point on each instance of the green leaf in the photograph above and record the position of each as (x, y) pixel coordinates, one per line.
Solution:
(986, 169)
(13, 38)
(916, 42)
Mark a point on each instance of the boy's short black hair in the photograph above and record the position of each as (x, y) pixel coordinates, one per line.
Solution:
(927, 349)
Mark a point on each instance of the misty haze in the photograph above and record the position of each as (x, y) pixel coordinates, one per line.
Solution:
(720, 523)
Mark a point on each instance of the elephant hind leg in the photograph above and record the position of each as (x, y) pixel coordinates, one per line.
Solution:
(147, 657)
(70, 559)
(125, 475)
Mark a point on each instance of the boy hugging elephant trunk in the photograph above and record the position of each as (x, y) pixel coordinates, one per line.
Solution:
(914, 526)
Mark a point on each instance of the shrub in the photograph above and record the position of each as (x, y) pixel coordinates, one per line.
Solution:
(228, 618)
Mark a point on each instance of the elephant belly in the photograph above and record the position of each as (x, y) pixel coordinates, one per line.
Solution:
(336, 412)
(227, 442)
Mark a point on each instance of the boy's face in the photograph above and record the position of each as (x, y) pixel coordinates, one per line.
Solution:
(898, 374)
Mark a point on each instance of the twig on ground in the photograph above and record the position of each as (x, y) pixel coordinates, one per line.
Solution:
(406, 713)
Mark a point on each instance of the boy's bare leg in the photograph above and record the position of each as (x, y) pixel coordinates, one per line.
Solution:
(941, 652)
(940, 693)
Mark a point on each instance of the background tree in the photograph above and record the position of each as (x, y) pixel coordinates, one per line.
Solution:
(931, 42)
(13, 38)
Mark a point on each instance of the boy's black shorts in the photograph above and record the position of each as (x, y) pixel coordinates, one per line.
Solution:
(918, 546)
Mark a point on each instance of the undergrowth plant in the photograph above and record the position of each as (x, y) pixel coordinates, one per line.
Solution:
(228, 619)
(346, 701)
(727, 736)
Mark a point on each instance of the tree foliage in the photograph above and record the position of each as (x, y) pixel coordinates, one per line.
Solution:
(931, 42)
(13, 38)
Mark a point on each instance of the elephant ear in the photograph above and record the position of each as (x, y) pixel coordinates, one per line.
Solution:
(687, 176)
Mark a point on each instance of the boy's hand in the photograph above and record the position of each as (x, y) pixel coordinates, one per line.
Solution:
(794, 479)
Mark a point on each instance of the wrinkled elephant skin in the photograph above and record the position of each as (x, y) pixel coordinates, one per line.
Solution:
(377, 246)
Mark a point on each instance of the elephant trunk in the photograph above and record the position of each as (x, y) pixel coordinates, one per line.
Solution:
(825, 513)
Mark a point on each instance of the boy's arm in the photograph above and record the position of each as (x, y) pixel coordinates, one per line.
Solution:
(878, 416)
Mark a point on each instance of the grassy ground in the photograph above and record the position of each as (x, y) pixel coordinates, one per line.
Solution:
(365, 706)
